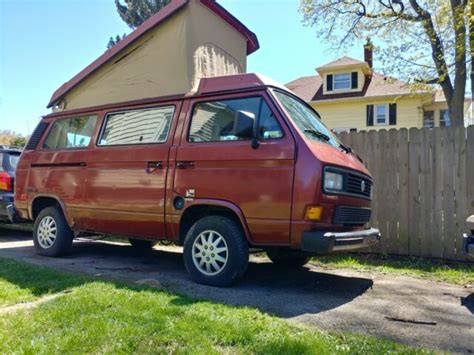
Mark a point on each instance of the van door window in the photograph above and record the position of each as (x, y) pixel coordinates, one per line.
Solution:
(71, 133)
(143, 126)
(215, 121)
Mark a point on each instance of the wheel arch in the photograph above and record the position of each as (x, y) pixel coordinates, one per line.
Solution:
(203, 208)
(43, 201)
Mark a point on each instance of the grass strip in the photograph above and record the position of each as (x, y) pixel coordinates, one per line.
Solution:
(457, 273)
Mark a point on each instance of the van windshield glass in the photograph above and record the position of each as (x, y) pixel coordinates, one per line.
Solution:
(307, 120)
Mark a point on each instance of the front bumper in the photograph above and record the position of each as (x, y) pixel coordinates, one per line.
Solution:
(326, 242)
(468, 245)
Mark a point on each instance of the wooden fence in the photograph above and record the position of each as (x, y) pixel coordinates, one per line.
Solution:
(424, 187)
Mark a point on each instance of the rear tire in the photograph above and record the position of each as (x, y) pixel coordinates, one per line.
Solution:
(141, 244)
(216, 252)
(51, 233)
(287, 258)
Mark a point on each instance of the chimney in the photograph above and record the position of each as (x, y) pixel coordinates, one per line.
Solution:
(368, 52)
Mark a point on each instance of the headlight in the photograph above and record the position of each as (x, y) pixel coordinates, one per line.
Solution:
(333, 181)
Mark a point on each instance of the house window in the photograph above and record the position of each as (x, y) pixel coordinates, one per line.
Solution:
(428, 119)
(342, 81)
(381, 114)
(444, 120)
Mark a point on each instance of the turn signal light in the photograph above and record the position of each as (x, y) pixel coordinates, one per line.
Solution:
(314, 213)
(6, 182)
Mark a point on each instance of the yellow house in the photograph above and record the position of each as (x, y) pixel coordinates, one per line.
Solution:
(350, 96)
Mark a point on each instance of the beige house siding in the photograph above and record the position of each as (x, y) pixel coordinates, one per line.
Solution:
(436, 107)
(347, 113)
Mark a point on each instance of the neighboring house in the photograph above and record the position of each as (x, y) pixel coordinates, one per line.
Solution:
(350, 96)
(167, 55)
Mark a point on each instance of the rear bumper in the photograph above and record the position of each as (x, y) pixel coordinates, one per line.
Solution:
(468, 245)
(326, 242)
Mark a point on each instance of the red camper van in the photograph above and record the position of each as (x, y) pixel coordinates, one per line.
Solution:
(241, 163)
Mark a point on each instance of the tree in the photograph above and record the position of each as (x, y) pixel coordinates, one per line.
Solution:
(113, 42)
(10, 138)
(423, 41)
(135, 12)
(18, 142)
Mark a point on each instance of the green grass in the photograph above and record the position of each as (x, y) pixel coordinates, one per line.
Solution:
(24, 227)
(115, 317)
(21, 282)
(457, 273)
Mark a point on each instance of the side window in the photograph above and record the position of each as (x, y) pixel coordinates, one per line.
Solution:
(70, 133)
(145, 126)
(233, 120)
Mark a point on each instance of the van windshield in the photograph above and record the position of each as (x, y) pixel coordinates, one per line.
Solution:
(307, 120)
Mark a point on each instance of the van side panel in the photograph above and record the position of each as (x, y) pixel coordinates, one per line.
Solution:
(125, 190)
(21, 185)
(60, 175)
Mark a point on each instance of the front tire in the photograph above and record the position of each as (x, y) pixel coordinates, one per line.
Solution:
(287, 258)
(51, 233)
(216, 252)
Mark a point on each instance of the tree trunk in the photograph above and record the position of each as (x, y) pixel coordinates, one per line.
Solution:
(471, 47)
(456, 104)
(456, 108)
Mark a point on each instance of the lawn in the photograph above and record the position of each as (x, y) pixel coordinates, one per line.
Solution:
(110, 316)
(458, 273)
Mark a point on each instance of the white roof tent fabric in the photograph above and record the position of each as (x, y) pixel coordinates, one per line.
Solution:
(168, 55)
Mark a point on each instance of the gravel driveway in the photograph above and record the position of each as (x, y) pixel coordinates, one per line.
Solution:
(336, 300)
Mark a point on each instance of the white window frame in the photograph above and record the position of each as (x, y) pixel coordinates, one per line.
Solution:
(376, 114)
(441, 117)
(349, 81)
(434, 121)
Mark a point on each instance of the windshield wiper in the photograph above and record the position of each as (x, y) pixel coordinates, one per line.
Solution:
(318, 134)
(345, 148)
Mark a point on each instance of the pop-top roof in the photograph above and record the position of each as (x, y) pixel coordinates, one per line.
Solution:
(174, 7)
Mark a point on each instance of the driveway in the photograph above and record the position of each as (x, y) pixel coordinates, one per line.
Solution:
(409, 310)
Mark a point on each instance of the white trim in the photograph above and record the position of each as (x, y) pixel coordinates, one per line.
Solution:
(387, 115)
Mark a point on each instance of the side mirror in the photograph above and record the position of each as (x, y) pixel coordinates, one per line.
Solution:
(243, 124)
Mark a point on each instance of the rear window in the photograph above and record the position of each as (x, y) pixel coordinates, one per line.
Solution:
(8, 161)
(13, 160)
(71, 133)
(145, 126)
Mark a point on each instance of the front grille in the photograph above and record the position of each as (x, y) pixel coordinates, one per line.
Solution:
(358, 185)
(353, 216)
(353, 183)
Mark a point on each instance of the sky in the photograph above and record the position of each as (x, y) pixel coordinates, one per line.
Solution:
(44, 43)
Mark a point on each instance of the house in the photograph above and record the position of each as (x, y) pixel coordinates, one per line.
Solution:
(350, 96)
(167, 55)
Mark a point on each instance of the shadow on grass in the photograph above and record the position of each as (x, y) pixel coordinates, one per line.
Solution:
(39, 281)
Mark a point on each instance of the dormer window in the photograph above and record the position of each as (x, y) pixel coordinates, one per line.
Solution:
(342, 82)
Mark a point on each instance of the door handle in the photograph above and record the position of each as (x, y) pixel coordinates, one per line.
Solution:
(152, 166)
(185, 164)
